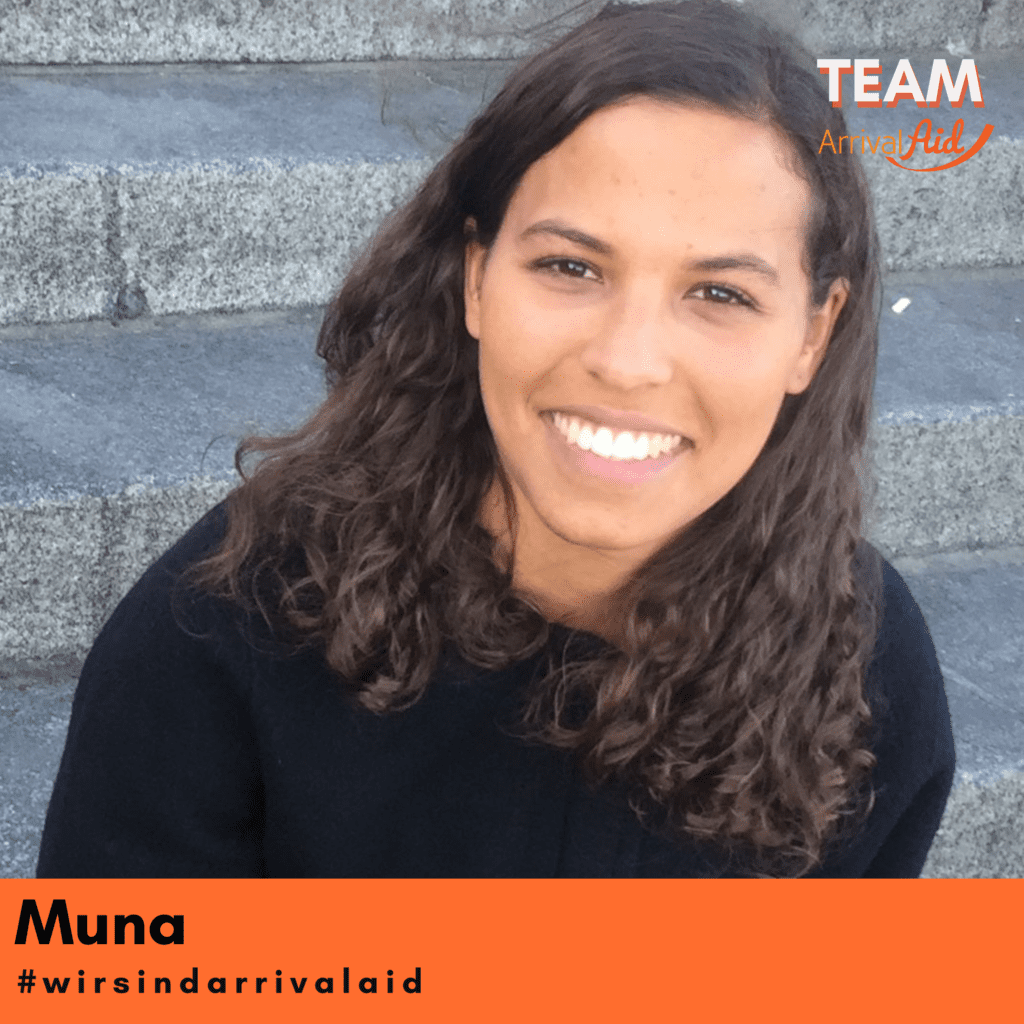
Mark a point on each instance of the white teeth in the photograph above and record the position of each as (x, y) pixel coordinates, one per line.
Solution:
(622, 446)
(603, 443)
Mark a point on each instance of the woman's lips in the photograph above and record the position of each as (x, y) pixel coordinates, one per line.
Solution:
(617, 419)
(577, 461)
(622, 446)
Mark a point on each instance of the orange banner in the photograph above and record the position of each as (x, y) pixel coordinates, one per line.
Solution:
(511, 950)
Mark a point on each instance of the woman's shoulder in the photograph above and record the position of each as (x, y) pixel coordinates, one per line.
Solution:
(905, 681)
(904, 639)
(158, 776)
(164, 610)
(197, 543)
(168, 575)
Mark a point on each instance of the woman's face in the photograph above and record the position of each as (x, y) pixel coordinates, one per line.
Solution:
(641, 315)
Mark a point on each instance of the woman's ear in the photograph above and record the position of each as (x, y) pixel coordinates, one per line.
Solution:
(473, 278)
(820, 324)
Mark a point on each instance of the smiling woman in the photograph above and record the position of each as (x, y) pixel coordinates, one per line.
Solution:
(632, 374)
(567, 575)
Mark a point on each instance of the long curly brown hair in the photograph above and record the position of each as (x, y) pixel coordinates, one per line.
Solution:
(735, 710)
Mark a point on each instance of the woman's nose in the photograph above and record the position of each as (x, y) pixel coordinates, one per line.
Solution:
(631, 347)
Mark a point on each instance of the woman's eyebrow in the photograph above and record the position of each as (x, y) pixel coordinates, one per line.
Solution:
(554, 227)
(740, 261)
(731, 261)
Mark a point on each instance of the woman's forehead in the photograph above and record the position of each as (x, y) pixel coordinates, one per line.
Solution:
(662, 141)
(646, 172)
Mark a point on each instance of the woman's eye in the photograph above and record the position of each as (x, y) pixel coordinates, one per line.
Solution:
(721, 295)
(566, 268)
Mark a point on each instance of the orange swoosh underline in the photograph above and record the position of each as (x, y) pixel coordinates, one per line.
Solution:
(982, 139)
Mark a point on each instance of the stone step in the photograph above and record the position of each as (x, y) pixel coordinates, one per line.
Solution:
(114, 438)
(181, 31)
(197, 188)
(973, 603)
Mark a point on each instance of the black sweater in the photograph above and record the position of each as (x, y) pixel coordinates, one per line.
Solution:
(204, 756)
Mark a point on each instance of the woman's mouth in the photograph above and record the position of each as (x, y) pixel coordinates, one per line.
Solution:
(620, 446)
(588, 449)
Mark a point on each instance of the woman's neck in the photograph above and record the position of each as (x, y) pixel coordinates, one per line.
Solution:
(567, 583)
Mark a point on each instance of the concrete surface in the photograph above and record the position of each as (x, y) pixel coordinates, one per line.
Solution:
(154, 31)
(195, 189)
(949, 399)
(115, 437)
(981, 834)
(151, 31)
(35, 708)
(1003, 25)
(973, 603)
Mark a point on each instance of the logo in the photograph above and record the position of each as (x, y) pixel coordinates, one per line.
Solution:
(905, 85)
